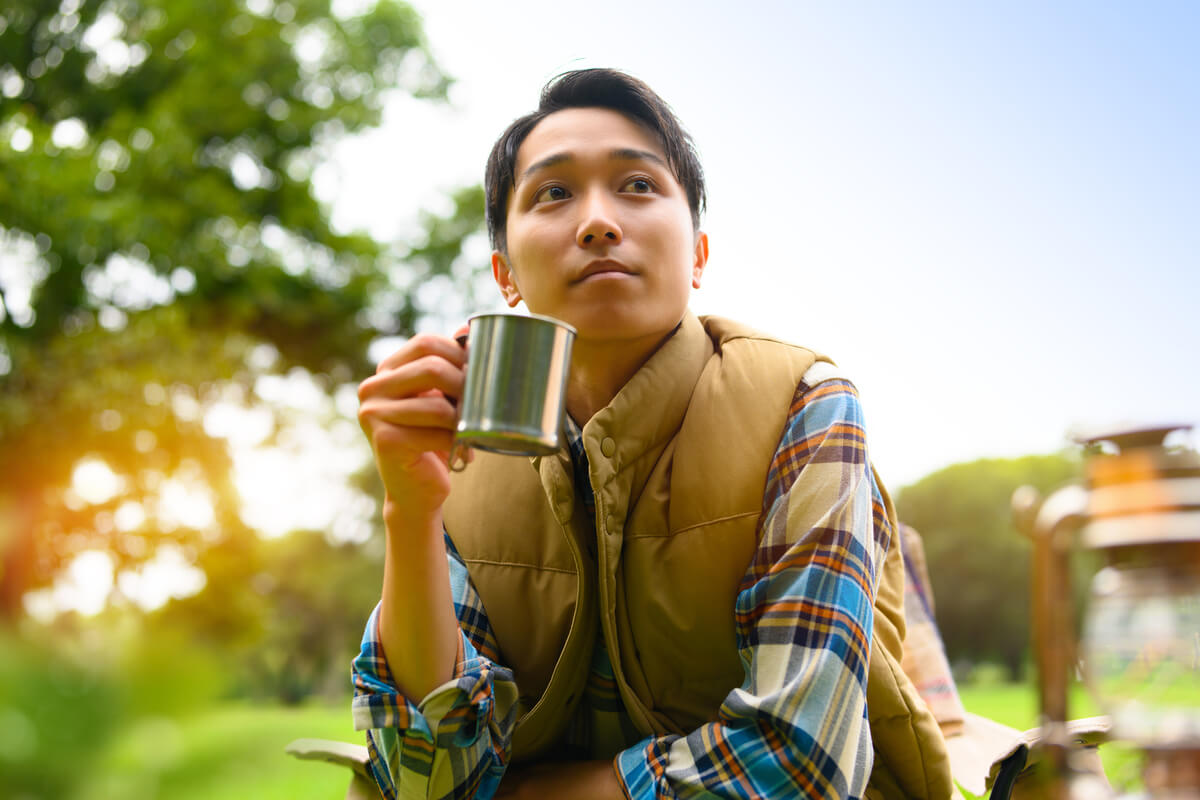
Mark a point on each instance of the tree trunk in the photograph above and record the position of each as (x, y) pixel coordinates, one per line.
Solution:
(16, 553)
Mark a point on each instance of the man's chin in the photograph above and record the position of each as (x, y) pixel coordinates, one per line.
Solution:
(614, 329)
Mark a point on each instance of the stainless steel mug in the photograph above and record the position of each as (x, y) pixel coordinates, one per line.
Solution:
(514, 395)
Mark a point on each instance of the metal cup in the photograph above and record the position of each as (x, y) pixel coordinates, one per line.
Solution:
(514, 395)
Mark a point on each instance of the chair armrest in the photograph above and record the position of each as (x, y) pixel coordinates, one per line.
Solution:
(984, 752)
(343, 754)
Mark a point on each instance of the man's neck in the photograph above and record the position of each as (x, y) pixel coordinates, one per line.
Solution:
(599, 370)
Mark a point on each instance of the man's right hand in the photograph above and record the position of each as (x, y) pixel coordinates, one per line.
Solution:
(407, 411)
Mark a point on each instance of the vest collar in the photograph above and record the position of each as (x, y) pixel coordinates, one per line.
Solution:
(637, 423)
(649, 409)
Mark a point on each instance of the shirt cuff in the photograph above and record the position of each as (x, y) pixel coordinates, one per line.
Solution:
(633, 765)
(451, 715)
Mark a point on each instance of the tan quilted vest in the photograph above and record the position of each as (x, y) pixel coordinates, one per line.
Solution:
(678, 463)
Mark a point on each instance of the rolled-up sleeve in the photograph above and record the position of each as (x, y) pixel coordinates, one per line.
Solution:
(454, 742)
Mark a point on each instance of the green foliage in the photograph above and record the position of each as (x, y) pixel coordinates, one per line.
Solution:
(978, 562)
(161, 247)
(54, 707)
(285, 615)
(167, 672)
(115, 706)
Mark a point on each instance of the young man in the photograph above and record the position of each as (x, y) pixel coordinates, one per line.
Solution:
(701, 594)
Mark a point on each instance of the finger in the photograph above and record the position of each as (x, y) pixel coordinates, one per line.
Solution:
(414, 378)
(421, 345)
(428, 411)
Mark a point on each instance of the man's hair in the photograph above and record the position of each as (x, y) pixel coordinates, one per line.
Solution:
(593, 88)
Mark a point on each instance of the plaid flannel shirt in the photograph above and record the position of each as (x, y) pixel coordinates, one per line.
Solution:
(797, 725)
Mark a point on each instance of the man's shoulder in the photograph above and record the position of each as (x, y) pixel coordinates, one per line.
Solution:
(730, 335)
(723, 330)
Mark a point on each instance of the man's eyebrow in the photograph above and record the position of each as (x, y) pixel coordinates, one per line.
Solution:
(619, 154)
(548, 161)
(630, 154)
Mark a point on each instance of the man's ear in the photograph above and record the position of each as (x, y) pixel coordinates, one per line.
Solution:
(505, 279)
(701, 258)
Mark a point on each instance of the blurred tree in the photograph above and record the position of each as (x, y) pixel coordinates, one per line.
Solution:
(285, 614)
(978, 562)
(161, 247)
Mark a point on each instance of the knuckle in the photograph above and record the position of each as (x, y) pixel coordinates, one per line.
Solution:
(367, 420)
(424, 342)
(435, 367)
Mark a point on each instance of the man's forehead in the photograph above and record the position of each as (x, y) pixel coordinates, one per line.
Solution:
(563, 135)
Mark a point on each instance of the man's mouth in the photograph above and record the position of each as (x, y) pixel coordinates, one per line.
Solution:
(602, 266)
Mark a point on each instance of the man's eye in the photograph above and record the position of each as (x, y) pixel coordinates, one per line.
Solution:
(551, 193)
(638, 186)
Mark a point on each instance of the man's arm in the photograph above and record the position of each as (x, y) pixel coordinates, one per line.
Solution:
(455, 742)
(407, 415)
(455, 739)
(797, 726)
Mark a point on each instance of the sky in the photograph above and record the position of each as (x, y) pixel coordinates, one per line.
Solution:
(988, 214)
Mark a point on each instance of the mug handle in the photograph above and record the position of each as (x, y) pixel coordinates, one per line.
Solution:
(458, 456)
(458, 451)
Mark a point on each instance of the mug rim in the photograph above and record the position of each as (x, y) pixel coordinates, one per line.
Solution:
(542, 317)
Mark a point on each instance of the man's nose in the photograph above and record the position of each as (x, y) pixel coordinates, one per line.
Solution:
(599, 220)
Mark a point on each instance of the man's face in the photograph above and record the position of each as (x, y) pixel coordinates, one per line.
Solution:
(599, 230)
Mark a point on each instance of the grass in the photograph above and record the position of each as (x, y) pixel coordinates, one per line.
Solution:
(236, 751)
(229, 751)
(1015, 704)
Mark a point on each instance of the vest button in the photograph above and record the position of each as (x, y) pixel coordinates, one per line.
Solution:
(608, 446)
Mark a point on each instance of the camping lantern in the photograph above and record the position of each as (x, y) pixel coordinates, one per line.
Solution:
(1140, 510)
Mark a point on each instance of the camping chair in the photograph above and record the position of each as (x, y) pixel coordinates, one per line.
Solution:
(984, 755)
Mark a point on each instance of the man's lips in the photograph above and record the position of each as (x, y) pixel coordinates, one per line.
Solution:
(603, 266)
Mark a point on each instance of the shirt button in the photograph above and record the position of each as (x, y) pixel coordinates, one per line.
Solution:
(608, 446)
